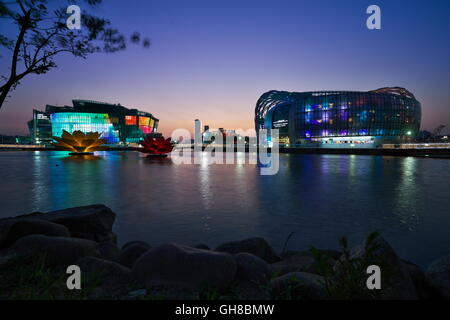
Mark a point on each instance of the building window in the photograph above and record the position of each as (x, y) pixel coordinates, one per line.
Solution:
(130, 120)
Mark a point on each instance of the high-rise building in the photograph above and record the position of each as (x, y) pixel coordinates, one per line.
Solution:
(40, 128)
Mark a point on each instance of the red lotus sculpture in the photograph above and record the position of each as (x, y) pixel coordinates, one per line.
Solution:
(157, 146)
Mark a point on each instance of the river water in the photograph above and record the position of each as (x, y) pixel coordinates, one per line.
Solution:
(318, 198)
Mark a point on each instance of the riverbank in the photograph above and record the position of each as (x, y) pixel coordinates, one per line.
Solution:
(440, 153)
(36, 250)
(24, 147)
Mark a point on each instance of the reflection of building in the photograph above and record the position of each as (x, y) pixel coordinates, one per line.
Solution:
(339, 118)
(115, 122)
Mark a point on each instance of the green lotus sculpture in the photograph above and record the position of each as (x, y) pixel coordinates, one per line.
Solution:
(79, 142)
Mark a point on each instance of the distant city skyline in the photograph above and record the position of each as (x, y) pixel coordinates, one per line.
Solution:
(212, 60)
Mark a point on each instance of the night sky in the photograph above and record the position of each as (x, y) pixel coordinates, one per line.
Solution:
(213, 59)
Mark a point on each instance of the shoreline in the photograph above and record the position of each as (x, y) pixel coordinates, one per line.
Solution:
(243, 269)
(438, 153)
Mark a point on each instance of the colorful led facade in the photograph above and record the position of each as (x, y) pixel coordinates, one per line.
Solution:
(115, 123)
(339, 118)
(84, 122)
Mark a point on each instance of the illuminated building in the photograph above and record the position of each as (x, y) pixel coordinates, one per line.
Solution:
(210, 136)
(40, 128)
(339, 118)
(114, 122)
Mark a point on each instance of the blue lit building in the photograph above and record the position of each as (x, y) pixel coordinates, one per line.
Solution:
(114, 122)
(339, 118)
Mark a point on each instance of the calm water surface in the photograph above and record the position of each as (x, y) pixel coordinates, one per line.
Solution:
(319, 197)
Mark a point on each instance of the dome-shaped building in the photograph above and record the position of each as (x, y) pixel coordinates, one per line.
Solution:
(339, 118)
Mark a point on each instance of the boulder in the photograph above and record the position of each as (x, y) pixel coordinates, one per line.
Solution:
(251, 291)
(333, 254)
(252, 269)
(5, 224)
(396, 283)
(131, 252)
(57, 250)
(300, 261)
(130, 243)
(6, 255)
(90, 222)
(201, 246)
(298, 286)
(439, 275)
(108, 250)
(252, 276)
(181, 266)
(111, 277)
(19, 228)
(256, 246)
(423, 286)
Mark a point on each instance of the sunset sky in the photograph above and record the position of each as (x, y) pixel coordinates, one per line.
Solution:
(213, 59)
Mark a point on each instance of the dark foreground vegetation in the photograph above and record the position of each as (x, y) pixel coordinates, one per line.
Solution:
(36, 249)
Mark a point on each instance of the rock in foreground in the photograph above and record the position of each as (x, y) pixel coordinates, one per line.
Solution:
(19, 228)
(240, 269)
(57, 250)
(423, 286)
(298, 286)
(256, 246)
(252, 269)
(111, 278)
(178, 265)
(302, 261)
(90, 222)
(396, 282)
(439, 275)
(131, 252)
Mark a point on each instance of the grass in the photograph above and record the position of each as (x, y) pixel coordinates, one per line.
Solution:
(30, 277)
(347, 280)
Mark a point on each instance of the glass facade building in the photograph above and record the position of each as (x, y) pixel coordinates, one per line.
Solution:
(40, 128)
(339, 118)
(115, 123)
(84, 122)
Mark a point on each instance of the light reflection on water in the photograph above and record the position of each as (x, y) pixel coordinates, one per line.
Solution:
(319, 197)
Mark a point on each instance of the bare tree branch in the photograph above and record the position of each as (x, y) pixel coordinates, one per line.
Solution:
(43, 34)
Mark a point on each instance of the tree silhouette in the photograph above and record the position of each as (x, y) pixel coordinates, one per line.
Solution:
(437, 132)
(43, 34)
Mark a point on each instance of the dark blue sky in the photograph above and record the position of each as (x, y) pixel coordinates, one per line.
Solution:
(213, 59)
